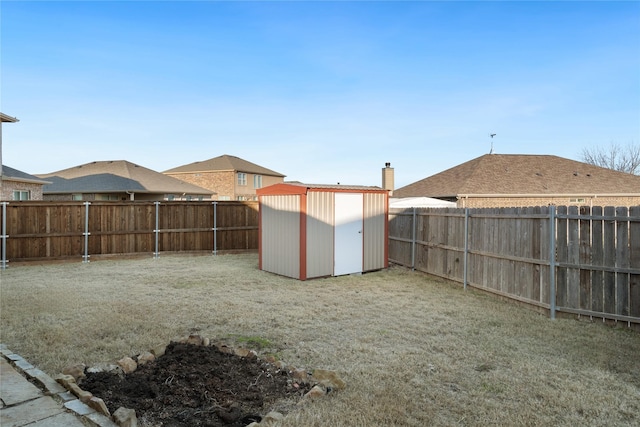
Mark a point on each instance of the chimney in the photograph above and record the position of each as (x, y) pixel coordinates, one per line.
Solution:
(387, 178)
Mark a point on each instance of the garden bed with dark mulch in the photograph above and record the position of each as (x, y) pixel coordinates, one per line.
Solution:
(194, 385)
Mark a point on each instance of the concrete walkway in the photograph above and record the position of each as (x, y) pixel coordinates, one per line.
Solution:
(30, 397)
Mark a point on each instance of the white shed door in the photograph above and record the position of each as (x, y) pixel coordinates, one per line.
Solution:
(348, 233)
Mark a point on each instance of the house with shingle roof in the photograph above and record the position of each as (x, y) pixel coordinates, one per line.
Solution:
(18, 185)
(231, 177)
(512, 180)
(15, 184)
(118, 180)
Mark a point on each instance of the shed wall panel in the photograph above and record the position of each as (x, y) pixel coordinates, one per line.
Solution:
(374, 231)
(320, 222)
(281, 235)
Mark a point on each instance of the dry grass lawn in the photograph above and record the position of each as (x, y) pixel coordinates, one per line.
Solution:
(414, 350)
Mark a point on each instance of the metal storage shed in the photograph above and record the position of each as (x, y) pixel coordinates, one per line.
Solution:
(309, 231)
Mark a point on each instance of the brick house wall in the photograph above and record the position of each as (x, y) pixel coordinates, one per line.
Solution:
(8, 187)
(219, 182)
(248, 192)
(225, 183)
(590, 200)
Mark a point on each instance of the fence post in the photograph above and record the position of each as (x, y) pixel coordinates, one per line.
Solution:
(86, 233)
(156, 253)
(413, 240)
(466, 246)
(4, 235)
(215, 228)
(552, 261)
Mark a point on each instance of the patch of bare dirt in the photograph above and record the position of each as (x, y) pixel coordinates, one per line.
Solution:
(198, 386)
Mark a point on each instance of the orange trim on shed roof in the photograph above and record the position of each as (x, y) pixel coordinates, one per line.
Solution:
(281, 189)
(299, 188)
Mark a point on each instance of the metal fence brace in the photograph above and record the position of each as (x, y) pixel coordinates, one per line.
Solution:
(466, 247)
(4, 235)
(156, 232)
(85, 257)
(215, 228)
(552, 262)
(413, 240)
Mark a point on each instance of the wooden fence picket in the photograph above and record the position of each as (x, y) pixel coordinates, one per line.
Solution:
(584, 294)
(634, 261)
(597, 258)
(609, 241)
(562, 256)
(622, 261)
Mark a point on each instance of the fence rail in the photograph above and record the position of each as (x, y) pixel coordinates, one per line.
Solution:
(63, 230)
(588, 259)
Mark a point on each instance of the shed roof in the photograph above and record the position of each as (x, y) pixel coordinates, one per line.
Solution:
(512, 174)
(116, 176)
(224, 163)
(295, 187)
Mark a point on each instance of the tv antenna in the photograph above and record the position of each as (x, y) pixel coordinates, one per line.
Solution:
(491, 135)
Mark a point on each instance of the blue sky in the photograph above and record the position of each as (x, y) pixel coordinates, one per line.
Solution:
(322, 92)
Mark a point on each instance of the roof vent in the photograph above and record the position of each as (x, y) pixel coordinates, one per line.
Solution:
(575, 174)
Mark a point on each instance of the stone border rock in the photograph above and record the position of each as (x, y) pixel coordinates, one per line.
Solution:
(59, 393)
(322, 381)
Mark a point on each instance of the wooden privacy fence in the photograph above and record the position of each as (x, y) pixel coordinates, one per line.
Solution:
(61, 230)
(583, 260)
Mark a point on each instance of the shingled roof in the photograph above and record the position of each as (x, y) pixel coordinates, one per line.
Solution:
(8, 119)
(297, 187)
(224, 163)
(11, 174)
(116, 176)
(511, 174)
